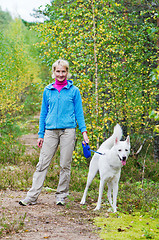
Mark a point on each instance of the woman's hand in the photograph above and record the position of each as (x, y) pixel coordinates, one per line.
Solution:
(85, 137)
(40, 142)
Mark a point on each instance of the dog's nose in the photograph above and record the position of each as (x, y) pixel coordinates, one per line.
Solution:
(124, 158)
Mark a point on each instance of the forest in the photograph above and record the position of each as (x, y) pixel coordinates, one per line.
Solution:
(112, 48)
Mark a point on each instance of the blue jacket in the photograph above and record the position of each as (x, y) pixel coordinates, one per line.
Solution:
(62, 109)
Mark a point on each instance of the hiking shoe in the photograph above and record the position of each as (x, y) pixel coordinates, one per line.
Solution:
(60, 201)
(24, 203)
(21, 202)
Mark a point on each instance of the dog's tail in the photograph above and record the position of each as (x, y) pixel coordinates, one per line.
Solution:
(108, 144)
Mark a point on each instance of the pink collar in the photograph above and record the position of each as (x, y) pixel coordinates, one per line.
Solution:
(59, 85)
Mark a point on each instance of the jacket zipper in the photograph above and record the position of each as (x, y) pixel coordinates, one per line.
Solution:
(57, 108)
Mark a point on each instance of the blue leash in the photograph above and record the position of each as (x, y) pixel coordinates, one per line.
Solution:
(97, 152)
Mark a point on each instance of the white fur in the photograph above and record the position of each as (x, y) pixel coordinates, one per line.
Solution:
(109, 166)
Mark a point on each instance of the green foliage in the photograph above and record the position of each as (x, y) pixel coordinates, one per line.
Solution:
(16, 177)
(123, 38)
(134, 197)
(32, 97)
(135, 166)
(19, 68)
(5, 18)
(11, 149)
(20, 85)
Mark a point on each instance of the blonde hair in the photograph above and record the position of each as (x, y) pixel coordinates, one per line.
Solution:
(63, 63)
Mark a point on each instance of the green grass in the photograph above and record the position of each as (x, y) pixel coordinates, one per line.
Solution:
(10, 223)
(128, 226)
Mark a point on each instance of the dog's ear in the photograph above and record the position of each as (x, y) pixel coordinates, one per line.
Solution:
(116, 140)
(128, 140)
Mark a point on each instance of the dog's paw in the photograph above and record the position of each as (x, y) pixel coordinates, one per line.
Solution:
(82, 202)
(110, 210)
(114, 210)
(97, 208)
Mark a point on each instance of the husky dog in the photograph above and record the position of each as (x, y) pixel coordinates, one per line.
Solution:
(109, 164)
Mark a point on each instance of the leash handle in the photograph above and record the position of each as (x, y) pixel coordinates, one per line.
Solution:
(86, 150)
(93, 150)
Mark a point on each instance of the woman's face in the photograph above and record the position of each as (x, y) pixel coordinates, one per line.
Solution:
(60, 73)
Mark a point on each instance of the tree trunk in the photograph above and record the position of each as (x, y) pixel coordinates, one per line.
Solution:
(156, 135)
(96, 68)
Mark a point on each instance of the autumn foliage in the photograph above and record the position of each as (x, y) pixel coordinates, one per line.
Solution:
(112, 51)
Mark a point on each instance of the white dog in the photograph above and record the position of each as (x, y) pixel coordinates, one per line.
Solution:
(115, 154)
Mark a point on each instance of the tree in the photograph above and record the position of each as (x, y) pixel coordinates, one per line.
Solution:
(111, 54)
(5, 18)
(19, 69)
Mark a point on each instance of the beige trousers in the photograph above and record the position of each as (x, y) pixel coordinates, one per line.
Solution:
(66, 139)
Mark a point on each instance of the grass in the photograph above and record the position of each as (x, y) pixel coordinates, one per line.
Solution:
(126, 226)
(10, 223)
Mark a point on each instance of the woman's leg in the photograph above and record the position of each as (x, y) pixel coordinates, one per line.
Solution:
(50, 144)
(67, 143)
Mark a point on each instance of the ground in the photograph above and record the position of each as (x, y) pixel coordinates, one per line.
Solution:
(46, 220)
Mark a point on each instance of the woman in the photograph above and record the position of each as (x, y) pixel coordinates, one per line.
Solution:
(61, 108)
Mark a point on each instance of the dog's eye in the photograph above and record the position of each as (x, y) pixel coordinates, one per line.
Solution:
(126, 150)
(119, 150)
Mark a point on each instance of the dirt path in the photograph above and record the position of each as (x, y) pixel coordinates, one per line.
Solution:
(46, 220)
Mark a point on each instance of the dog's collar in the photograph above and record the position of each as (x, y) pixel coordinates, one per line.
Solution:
(115, 168)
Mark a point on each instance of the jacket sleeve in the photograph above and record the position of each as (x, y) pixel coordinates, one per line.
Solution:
(43, 115)
(79, 111)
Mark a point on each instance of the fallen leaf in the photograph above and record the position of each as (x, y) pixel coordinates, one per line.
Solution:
(120, 230)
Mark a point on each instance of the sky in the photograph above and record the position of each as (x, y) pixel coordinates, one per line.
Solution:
(22, 8)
